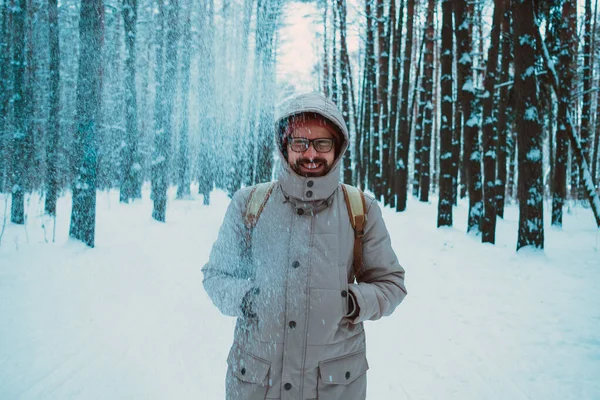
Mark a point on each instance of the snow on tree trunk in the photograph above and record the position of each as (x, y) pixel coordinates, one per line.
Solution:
(529, 130)
(401, 175)
(5, 94)
(379, 95)
(266, 24)
(488, 222)
(365, 132)
(183, 167)
(162, 150)
(131, 168)
(428, 105)
(586, 105)
(19, 138)
(386, 26)
(472, 156)
(54, 108)
(345, 74)
(504, 128)
(371, 117)
(89, 84)
(566, 72)
(396, 50)
(446, 156)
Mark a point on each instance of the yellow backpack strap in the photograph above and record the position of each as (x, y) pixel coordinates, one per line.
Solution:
(357, 212)
(256, 203)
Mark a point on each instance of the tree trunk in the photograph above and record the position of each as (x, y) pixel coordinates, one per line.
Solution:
(488, 222)
(89, 89)
(529, 132)
(401, 175)
(595, 159)
(54, 109)
(576, 147)
(325, 71)
(183, 173)
(20, 106)
(566, 71)
(334, 86)
(162, 160)
(586, 105)
(129, 149)
(379, 94)
(206, 99)
(386, 32)
(503, 129)
(446, 146)
(428, 105)
(265, 45)
(472, 156)
(345, 78)
(417, 107)
(372, 106)
(241, 158)
(394, 98)
(365, 137)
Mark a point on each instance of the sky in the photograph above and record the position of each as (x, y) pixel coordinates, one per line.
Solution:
(300, 42)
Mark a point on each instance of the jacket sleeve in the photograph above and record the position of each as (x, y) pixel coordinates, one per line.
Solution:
(380, 287)
(227, 276)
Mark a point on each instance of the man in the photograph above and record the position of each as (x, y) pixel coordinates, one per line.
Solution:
(299, 333)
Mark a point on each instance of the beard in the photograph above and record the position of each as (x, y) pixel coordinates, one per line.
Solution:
(311, 167)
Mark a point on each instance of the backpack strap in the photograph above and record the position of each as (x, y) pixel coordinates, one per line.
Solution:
(357, 212)
(256, 203)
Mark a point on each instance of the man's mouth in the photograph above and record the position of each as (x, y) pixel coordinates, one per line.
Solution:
(311, 165)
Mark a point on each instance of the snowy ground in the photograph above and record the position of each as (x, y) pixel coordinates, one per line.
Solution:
(130, 320)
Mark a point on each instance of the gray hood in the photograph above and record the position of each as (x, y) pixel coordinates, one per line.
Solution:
(293, 184)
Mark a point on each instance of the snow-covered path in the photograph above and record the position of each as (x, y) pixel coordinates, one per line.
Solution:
(130, 320)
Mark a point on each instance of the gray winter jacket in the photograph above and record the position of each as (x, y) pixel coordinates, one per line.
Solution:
(304, 343)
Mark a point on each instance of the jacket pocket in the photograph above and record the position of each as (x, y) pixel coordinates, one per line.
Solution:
(343, 377)
(324, 316)
(247, 375)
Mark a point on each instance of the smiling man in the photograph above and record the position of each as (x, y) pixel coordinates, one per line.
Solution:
(302, 262)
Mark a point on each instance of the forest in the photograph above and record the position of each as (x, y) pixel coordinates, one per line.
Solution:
(491, 101)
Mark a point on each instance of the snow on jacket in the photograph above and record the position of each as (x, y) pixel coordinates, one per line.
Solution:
(302, 344)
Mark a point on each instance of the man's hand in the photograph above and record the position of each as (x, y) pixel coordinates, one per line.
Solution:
(353, 308)
(248, 303)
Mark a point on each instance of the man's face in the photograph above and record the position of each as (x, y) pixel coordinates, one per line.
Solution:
(313, 161)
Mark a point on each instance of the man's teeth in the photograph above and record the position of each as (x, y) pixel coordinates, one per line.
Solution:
(311, 165)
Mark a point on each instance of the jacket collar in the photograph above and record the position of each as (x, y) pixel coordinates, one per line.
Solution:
(308, 189)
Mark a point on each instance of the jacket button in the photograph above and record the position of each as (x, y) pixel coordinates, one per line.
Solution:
(310, 183)
(344, 293)
(299, 211)
(295, 264)
(243, 371)
(309, 194)
(347, 374)
(292, 324)
(287, 386)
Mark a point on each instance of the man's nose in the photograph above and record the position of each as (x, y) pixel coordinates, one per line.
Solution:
(310, 152)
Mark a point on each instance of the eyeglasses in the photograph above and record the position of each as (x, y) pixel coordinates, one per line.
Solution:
(321, 145)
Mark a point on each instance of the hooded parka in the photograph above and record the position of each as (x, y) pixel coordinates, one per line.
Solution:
(304, 342)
